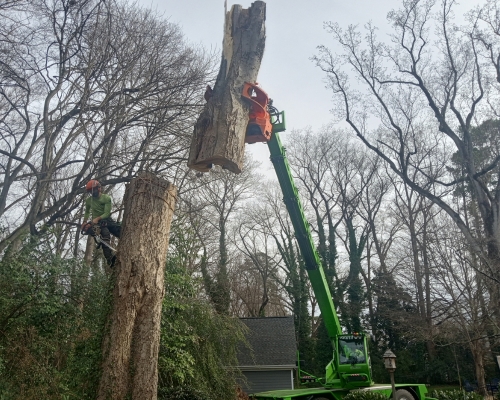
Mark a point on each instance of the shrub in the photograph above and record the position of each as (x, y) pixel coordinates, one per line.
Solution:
(181, 393)
(455, 395)
(365, 395)
(197, 345)
(51, 316)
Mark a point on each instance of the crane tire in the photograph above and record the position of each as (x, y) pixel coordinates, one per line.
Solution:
(403, 394)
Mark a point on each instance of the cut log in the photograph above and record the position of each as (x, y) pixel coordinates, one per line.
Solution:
(219, 133)
(132, 340)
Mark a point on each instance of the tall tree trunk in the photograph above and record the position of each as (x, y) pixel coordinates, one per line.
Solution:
(477, 347)
(431, 347)
(219, 133)
(369, 290)
(354, 289)
(130, 349)
(222, 298)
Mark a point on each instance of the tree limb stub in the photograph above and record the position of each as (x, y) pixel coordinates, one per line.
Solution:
(219, 132)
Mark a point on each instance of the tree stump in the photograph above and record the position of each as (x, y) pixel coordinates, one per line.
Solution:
(219, 132)
(130, 347)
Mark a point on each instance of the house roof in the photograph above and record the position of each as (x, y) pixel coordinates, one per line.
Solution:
(272, 340)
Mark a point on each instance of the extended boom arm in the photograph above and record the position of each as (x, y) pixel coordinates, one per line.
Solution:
(303, 235)
(350, 366)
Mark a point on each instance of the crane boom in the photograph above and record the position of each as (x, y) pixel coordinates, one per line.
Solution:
(303, 234)
(350, 367)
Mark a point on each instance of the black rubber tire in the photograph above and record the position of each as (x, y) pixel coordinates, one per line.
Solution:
(403, 394)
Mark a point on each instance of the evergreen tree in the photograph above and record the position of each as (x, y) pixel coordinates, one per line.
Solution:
(354, 285)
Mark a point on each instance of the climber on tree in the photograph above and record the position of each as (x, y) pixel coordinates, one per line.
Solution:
(100, 205)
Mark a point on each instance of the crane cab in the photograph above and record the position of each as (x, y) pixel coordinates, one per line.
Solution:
(353, 362)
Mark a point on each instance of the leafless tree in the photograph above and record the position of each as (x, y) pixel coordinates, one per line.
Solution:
(254, 238)
(344, 191)
(294, 293)
(416, 215)
(450, 78)
(312, 158)
(93, 89)
(459, 296)
(222, 195)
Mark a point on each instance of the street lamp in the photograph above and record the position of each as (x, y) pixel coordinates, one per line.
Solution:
(390, 365)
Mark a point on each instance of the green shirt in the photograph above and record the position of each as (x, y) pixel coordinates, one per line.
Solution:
(100, 207)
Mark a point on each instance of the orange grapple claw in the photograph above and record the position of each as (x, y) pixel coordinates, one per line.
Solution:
(259, 126)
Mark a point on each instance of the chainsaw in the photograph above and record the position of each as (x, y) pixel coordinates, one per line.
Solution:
(95, 231)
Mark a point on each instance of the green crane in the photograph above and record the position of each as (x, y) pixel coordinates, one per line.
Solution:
(350, 365)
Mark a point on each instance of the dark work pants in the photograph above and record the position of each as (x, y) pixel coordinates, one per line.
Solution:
(109, 227)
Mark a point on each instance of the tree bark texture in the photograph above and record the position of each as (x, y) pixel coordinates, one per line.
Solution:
(130, 346)
(219, 132)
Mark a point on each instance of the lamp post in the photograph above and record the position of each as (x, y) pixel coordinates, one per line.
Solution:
(390, 365)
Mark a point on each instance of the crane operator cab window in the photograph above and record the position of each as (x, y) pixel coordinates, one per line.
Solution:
(351, 350)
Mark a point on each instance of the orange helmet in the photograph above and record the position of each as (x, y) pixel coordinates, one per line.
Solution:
(92, 184)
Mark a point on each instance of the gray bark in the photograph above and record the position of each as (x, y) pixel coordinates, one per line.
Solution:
(219, 132)
(130, 349)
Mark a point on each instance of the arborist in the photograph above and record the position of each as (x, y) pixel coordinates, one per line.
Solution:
(101, 224)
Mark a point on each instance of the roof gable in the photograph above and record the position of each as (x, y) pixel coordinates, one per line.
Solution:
(272, 340)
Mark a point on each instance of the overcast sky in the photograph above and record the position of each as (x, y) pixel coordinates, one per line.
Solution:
(293, 31)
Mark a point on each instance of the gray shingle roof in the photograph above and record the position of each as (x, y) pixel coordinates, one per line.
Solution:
(272, 340)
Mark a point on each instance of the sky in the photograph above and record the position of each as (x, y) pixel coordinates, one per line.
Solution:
(294, 29)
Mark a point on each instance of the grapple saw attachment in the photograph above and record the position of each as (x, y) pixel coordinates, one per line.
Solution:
(259, 126)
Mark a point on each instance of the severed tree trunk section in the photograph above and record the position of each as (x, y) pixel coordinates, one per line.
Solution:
(131, 343)
(219, 133)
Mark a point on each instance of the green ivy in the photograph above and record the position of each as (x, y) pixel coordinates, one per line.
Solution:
(51, 322)
(198, 345)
